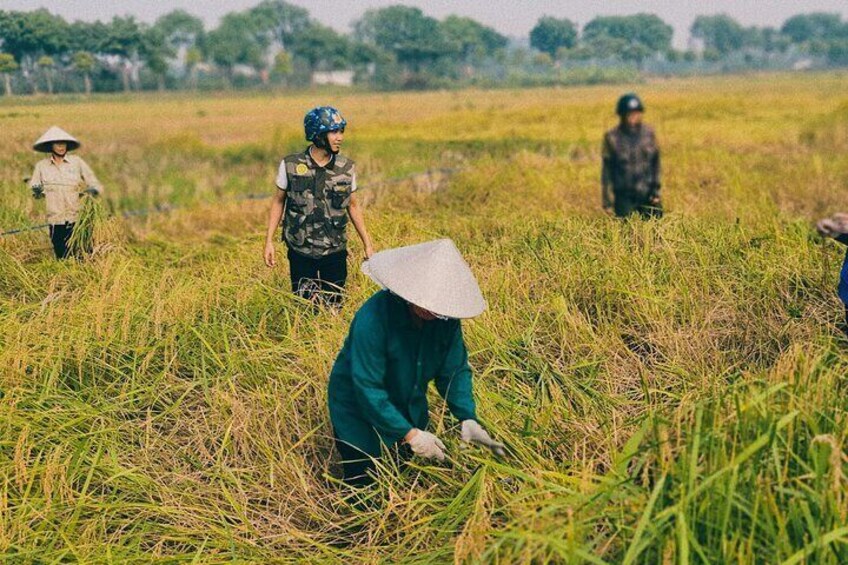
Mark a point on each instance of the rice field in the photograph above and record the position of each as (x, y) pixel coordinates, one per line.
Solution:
(668, 392)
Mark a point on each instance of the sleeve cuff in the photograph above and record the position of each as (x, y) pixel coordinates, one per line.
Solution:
(463, 415)
(392, 439)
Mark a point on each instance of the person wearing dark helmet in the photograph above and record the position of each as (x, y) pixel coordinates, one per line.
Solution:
(630, 178)
(315, 197)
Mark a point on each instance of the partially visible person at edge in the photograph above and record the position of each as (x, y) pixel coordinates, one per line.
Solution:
(836, 227)
(402, 338)
(62, 180)
(630, 179)
(314, 198)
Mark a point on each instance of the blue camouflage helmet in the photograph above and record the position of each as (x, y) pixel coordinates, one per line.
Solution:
(322, 119)
(630, 102)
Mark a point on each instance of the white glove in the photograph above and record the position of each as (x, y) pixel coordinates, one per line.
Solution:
(425, 444)
(472, 432)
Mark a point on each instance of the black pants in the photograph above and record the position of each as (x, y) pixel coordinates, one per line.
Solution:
(59, 236)
(359, 470)
(627, 204)
(318, 279)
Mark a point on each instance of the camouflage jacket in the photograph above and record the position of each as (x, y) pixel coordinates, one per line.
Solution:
(317, 201)
(631, 164)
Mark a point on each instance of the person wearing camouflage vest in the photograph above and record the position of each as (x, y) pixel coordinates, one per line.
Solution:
(630, 179)
(315, 198)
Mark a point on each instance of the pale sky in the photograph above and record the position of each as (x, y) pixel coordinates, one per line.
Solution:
(514, 18)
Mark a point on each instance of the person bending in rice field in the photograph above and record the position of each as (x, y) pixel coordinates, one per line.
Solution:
(62, 180)
(837, 228)
(314, 198)
(630, 178)
(403, 337)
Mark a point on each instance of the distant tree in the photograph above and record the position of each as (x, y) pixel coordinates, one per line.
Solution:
(817, 47)
(766, 39)
(373, 64)
(321, 47)
(29, 35)
(551, 34)
(181, 30)
(630, 37)
(279, 21)
(711, 54)
(837, 51)
(236, 42)
(720, 32)
(278, 25)
(193, 58)
(471, 39)
(124, 39)
(158, 65)
(416, 40)
(47, 64)
(8, 65)
(84, 62)
(157, 50)
(603, 46)
(581, 52)
(542, 59)
(283, 64)
(366, 54)
(674, 56)
(88, 36)
(817, 25)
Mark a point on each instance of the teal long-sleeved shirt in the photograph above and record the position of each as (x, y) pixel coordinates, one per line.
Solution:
(379, 382)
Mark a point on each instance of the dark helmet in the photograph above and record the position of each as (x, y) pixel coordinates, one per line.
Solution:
(322, 120)
(630, 102)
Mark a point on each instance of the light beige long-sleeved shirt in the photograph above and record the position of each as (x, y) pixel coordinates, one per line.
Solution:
(63, 183)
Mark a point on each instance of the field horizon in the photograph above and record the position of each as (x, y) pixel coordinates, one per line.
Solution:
(668, 391)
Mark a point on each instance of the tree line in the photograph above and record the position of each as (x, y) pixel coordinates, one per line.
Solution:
(276, 42)
(642, 36)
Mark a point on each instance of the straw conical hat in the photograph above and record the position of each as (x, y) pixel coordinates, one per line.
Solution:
(431, 275)
(53, 135)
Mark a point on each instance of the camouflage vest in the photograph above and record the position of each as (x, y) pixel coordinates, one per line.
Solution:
(317, 201)
(631, 157)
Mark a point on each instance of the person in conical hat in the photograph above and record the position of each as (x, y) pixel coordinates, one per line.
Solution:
(62, 180)
(403, 337)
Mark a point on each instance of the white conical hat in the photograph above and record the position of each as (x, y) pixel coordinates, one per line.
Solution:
(431, 275)
(53, 135)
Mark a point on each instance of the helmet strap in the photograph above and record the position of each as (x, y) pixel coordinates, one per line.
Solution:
(321, 142)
